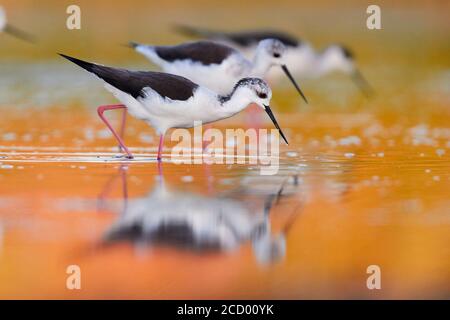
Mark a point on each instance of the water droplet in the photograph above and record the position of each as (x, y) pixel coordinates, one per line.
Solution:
(187, 178)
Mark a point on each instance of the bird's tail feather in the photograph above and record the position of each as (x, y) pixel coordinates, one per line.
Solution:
(89, 66)
(133, 44)
(118, 78)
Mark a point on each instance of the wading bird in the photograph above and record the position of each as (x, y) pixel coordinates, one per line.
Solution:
(302, 59)
(214, 223)
(217, 66)
(15, 32)
(167, 101)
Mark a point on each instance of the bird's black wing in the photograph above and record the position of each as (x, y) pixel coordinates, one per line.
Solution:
(244, 39)
(133, 82)
(205, 52)
(253, 37)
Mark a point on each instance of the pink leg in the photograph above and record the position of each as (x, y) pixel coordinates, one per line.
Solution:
(160, 171)
(108, 186)
(161, 143)
(100, 111)
(160, 174)
(122, 127)
(104, 193)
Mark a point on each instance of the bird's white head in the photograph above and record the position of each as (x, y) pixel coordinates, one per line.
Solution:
(248, 91)
(338, 58)
(252, 90)
(2, 18)
(271, 52)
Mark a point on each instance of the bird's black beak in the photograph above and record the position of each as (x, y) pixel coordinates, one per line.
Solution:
(272, 117)
(362, 84)
(286, 71)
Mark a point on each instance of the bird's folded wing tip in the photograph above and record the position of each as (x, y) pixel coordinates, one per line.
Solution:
(132, 44)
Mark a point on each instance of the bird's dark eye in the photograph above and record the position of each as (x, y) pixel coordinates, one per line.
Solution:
(276, 55)
(262, 95)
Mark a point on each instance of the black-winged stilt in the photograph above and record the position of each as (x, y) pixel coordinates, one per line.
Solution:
(217, 66)
(302, 59)
(167, 101)
(8, 28)
(187, 220)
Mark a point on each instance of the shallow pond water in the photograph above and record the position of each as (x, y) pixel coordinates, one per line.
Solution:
(365, 194)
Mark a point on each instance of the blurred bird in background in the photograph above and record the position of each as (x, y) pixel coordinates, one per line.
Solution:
(218, 66)
(304, 61)
(12, 30)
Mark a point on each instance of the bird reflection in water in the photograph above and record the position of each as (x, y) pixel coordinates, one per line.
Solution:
(200, 223)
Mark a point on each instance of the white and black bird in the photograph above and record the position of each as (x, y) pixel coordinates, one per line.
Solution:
(167, 101)
(185, 220)
(217, 66)
(303, 60)
(13, 31)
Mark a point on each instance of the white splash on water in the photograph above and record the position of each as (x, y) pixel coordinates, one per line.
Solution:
(350, 140)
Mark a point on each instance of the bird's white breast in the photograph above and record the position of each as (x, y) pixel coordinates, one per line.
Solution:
(164, 113)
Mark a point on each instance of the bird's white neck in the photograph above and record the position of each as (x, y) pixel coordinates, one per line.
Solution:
(323, 64)
(331, 60)
(260, 65)
(234, 103)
